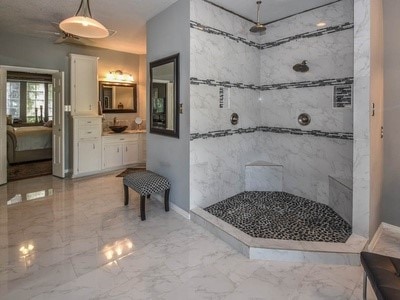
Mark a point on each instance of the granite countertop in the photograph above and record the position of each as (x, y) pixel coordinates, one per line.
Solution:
(129, 131)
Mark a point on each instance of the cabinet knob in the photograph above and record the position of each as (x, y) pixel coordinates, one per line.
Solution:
(89, 132)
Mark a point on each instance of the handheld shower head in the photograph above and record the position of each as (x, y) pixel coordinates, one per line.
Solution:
(258, 28)
(302, 67)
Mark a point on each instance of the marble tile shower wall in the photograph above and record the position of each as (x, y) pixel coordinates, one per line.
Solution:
(308, 161)
(217, 167)
(263, 96)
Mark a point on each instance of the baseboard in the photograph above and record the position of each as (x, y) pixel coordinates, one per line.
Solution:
(173, 206)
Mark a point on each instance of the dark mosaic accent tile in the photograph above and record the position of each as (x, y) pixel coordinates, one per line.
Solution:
(311, 34)
(280, 215)
(211, 30)
(274, 86)
(221, 97)
(307, 84)
(279, 130)
(342, 96)
(227, 84)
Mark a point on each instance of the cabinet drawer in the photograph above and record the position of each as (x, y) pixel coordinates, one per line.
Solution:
(89, 121)
(89, 132)
(120, 138)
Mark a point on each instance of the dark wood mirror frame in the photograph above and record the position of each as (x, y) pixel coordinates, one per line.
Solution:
(156, 129)
(103, 84)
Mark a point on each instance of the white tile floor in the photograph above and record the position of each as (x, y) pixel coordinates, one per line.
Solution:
(74, 239)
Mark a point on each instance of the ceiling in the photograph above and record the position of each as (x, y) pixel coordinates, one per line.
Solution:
(270, 10)
(127, 17)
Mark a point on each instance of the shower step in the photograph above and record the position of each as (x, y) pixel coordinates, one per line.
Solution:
(281, 250)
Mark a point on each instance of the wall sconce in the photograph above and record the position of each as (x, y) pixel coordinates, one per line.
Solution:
(119, 76)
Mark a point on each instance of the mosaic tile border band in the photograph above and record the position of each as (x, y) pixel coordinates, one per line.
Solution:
(281, 130)
(211, 30)
(311, 34)
(275, 86)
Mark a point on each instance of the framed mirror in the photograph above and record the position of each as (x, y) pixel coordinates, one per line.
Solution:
(118, 97)
(164, 96)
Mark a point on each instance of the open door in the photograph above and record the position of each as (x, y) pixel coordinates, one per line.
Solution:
(58, 125)
(3, 125)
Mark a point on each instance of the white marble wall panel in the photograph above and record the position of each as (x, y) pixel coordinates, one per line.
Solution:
(219, 58)
(334, 14)
(263, 178)
(308, 161)
(205, 114)
(280, 108)
(328, 56)
(217, 167)
(361, 175)
(341, 198)
(209, 15)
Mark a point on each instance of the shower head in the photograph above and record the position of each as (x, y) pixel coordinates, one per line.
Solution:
(301, 67)
(258, 28)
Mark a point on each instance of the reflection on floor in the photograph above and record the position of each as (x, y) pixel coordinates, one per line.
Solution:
(79, 242)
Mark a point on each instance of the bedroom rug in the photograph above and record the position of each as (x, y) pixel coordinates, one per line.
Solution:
(131, 170)
(29, 170)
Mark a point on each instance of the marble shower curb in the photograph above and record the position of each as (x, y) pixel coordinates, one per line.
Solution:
(281, 250)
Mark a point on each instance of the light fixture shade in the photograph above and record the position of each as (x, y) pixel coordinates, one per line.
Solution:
(84, 27)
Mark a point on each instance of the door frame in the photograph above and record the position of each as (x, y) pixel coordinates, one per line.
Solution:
(4, 99)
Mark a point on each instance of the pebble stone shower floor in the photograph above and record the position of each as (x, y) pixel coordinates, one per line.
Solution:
(280, 215)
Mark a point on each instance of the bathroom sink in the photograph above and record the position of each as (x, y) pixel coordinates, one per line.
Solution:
(118, 129)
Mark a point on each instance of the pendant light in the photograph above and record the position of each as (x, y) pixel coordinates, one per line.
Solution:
(83, 25)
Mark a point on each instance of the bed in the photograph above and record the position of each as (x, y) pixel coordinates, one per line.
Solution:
(29, 143)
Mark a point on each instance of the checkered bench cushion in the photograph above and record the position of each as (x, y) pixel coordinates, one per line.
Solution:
(146, 182)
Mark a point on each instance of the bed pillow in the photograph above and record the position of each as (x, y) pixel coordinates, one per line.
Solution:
(48, 124)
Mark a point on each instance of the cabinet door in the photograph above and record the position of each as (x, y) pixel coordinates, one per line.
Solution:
(89, 156)
(84, 85)
(112, 155)
(131, 153)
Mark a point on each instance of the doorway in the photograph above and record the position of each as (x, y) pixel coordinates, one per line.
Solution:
(41, 124)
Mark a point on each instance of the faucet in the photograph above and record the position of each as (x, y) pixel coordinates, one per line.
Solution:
(115, 121)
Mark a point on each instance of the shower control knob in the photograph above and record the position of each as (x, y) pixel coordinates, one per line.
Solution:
(304, 119)
(234, 119)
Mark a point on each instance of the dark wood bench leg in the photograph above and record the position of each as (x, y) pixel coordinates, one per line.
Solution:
(166, 200)
(126, 194)
(365, 286)
(142, 207)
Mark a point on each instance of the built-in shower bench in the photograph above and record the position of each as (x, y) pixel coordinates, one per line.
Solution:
(263, 176)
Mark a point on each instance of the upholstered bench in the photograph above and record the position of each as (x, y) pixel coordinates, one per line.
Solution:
(383, 273)
(146, 183)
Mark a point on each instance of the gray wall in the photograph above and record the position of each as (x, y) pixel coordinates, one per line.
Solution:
(26, 51)
(391, 186)
(167, 34)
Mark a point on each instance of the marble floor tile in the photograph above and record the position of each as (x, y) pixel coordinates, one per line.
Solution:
(81, 242)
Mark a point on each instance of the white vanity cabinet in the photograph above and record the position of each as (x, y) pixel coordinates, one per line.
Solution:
(84, 86)
(120, 150)
(86, 145)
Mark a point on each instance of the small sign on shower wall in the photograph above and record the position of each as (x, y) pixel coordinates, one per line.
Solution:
(224, 97)
(342, 96)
